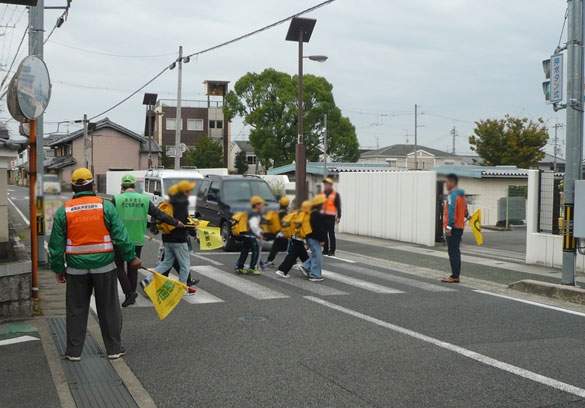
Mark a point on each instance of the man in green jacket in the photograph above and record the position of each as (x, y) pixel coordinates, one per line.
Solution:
(81, 253)
(134, 209)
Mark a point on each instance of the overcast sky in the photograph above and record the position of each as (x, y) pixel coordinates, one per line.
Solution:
(461, 60)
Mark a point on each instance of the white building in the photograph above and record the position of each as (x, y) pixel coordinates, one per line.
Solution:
(254, 166)
(402, 156)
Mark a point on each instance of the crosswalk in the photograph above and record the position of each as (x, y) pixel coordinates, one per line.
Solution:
(219, 284)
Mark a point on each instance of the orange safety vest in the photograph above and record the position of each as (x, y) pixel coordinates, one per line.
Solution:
(329, 207)
(86, 226)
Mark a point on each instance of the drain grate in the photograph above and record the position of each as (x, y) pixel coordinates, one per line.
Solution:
(93, 381)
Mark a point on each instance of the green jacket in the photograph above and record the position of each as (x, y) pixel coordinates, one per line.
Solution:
(58, 241)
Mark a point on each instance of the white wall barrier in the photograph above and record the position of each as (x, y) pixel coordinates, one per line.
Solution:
(398, 206)
(541, 248)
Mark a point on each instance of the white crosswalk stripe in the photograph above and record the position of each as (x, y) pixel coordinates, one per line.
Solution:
(202, 297)
(245, 286)
(394, 278)
(358, 283)
(304, 284)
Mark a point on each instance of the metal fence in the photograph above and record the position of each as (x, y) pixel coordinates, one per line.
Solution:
(549, 203)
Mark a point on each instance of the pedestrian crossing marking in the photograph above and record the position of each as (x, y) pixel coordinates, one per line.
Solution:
(358, 283)
(304, 284)
(398, 279)
(242, 285)
(202, 297)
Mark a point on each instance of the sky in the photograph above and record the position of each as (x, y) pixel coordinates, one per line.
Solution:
(459, 60)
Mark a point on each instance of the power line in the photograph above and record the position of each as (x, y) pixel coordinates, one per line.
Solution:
(563, 29)
(211, 49)
(448, 118)
(14, 59)
(110, 54)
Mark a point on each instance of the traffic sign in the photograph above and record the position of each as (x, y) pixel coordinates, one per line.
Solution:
(556, 78)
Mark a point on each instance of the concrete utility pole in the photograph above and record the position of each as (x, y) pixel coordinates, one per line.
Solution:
(574, 152)
(454, 134)
(35, 47)
(325, 147)
(556, 145)
(178, 119)
(85, 143)
(415, 137)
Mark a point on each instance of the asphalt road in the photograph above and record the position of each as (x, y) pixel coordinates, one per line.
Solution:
(367, 336)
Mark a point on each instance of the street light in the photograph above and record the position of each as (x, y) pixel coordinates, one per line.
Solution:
(300, 31)
(149, 100)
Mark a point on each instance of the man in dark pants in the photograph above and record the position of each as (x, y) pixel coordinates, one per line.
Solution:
(84, 234)
(134, 209)
(454, 215)
(331, 215)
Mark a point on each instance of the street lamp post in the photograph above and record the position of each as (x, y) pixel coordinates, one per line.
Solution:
(300, 31)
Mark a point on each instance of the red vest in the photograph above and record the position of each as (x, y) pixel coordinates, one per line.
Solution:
(86, 226)
(329, 207)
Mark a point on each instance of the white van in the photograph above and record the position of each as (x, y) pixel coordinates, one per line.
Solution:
(51, 184)
(158, 181)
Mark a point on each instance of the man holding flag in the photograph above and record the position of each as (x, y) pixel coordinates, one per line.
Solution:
(454, 215)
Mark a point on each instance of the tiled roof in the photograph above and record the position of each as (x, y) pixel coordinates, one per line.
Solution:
(317, 168)
(479, 172)
(7, 142)
(402, 150)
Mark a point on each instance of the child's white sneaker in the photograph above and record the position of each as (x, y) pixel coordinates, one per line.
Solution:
(282, 274)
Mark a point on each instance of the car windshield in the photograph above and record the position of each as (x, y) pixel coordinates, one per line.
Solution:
(242, 190)
(51, 178)
(168, 182)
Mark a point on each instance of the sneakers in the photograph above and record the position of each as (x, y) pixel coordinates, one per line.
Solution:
(303, 271)
(117, 355)
(242, 271)
(269, 264)
(282, 274)
(192, 282)
(331, 253)
(255, 272)
(71, 358)
(130, 299)
(312, 279)
(190, 291)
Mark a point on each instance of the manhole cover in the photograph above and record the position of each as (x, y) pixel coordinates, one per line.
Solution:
(252, 319)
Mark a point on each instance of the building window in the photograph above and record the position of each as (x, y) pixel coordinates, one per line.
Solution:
(171, 124)
(195, 124)
(449, 162)
(251, 159)
(392, 162)
(212, 124)
(219, 124)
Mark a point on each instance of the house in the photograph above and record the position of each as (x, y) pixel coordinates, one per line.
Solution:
(254, 166)
(402, 156)
(316, 172)
(198, 118)
(114, 148)
(491, 188)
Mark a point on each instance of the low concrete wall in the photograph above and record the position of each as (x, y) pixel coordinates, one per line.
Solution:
(15, 283)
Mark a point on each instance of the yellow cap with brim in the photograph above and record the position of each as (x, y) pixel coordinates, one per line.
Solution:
(185, 185)
(256, 200)
(81, 177)
(329, 180)
(318, 200)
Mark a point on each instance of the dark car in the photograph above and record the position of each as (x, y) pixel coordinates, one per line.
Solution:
(220, 197)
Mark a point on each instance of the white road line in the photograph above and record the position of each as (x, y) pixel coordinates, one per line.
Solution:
(398, 279)
(16, 340)
(558, 309)
(245, 286)
(319, 288)
(521, 372)
(202, 297)
(341, 259)
(211, 261)
(20, 213)
(358, 283)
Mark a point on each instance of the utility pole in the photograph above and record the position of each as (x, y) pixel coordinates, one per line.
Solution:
(454, 134)
(325, 147)
(35, 47)
(178, 119)
(574, 123)
(415, 137)
(85, 143)
(556, 145)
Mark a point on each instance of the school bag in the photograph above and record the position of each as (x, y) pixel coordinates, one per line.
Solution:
(239, 223)
(271, 224)
(302, 223)
(288, 225)
(167, 208)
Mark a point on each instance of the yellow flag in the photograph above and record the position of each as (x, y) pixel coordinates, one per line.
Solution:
(475, 224)
(209, 238)
(165, 294)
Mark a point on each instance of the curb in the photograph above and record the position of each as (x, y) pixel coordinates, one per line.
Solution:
(571, 294)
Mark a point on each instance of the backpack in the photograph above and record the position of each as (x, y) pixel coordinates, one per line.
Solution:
(239, 223)
(303, 224)
(288, 224)
(167, 208)
(271, 223)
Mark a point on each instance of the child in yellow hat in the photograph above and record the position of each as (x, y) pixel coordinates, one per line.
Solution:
(251, 237)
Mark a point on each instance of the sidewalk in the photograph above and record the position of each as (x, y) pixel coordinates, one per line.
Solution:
(34, 348)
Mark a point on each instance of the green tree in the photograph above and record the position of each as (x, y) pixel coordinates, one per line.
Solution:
(268, 103)
(510, 141)
(206, 154)
(241, 162)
